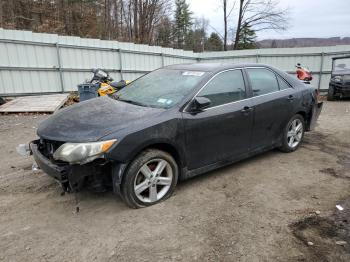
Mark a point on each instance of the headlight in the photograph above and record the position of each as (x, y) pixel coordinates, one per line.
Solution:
(81, 153)
(338, 79)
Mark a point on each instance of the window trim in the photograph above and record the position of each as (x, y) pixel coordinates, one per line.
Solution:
(249, 96)
(285, 81)
(218, 73)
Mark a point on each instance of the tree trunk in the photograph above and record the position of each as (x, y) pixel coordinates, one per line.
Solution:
(130, 23)
(1, 13)
(136, 28)
(239, 24)
(225, 25)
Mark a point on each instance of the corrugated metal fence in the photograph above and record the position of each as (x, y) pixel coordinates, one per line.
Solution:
(44, 63)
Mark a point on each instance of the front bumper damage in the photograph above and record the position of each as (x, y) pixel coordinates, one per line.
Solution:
(342, 90)
(96, 175)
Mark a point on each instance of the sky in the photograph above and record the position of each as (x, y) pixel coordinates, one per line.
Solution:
(307, 18)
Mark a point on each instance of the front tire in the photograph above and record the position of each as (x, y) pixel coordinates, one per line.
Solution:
(293, 134)
(151, 178)
(330, 94)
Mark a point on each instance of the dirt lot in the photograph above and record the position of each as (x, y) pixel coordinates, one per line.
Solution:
(261, 209)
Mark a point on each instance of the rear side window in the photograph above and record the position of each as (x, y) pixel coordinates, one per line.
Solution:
(263, 81)
(282, 83)
(225, 88)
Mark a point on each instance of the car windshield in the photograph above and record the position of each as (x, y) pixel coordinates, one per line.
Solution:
(162, 88)
(341, 64)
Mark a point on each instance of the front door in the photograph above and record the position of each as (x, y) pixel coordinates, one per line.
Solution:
(222, 131)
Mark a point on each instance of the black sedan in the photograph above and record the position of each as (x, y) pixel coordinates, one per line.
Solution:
(172, 124)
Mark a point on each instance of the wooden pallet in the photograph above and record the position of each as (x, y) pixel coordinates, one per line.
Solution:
(44, 103)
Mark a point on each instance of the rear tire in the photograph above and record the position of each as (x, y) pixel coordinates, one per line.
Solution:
(330, 94)
(293, 134)
(151, 178)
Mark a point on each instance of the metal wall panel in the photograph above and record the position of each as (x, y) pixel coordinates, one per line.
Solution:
(28, 82)
(41, 63)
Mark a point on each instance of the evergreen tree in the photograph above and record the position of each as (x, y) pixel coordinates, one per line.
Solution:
(196, 38)
(247, 38)
(183, 21)
(214, 43)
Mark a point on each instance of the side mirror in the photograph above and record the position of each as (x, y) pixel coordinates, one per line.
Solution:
(199, 103)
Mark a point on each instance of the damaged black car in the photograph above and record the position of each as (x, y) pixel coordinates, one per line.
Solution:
(172, 124)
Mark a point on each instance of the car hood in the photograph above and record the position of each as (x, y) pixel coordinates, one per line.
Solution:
(93, 119)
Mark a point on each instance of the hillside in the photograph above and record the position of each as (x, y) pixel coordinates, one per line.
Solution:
(303, 42)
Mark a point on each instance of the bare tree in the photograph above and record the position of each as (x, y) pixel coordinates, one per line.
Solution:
(226, 16)
(260, 15)
(0, 13)
(225, 25)
(135, 21)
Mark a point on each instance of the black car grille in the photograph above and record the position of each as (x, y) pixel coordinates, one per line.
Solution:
(48, 147)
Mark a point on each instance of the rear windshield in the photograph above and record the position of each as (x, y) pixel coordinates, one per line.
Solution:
(162, 88)
(341, 64)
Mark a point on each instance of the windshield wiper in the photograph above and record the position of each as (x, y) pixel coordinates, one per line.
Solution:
(132, 102)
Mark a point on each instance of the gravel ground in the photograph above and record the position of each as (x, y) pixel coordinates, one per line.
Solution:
(261, 209)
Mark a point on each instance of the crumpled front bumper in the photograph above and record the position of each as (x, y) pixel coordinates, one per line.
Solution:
(59, 172)
(72, 177)
(343, 89)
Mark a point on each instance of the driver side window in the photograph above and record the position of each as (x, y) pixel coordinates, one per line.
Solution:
(226, 87)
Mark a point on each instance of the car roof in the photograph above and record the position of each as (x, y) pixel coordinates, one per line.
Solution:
(212, 67)
(217, 67)
(341, 57)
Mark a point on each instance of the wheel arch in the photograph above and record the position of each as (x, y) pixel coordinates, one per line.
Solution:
(306, 116)
(168, 148)
(119, 169)
(302, 113)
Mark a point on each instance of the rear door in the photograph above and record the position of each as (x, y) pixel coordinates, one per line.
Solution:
(222, 131)
(272, 100)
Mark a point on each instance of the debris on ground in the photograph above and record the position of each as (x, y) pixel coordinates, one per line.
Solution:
(341, 243)
(41, 103)
(23, 149)
(73, 98)
(330, 233)
(339, 207)
(35, 167)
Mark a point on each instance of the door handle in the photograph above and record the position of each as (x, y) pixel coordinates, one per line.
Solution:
(246, 109)
(290, 98)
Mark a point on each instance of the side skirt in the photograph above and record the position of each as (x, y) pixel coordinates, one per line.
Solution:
(186, 174)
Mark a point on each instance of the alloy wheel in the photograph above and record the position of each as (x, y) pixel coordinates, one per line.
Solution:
(153, 180)
(295, 133)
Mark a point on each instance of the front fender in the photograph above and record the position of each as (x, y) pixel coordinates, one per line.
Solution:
(120, 166)
(118, 170)
(133, 143)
